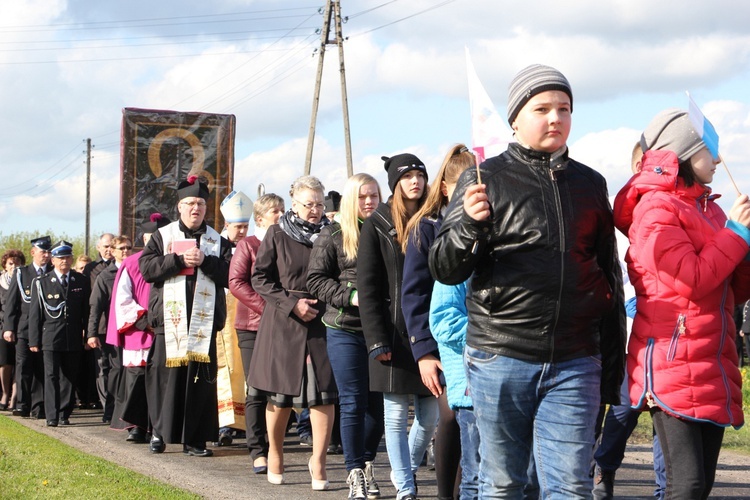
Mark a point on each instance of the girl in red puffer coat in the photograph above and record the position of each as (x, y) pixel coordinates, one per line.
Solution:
(689, 265)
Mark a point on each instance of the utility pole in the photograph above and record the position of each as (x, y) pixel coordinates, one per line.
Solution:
(88, 197)
(332, 10)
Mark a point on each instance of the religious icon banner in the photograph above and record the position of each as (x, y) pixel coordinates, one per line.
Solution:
(159, 149)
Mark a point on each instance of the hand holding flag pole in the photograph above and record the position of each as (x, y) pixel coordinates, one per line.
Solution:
(708, 135)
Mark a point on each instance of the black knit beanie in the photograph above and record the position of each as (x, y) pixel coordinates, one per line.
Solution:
(398, 165)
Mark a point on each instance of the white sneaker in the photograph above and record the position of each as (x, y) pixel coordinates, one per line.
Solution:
(356, 482)
(373, 490)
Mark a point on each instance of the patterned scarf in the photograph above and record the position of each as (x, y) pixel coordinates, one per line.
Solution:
(301, 230)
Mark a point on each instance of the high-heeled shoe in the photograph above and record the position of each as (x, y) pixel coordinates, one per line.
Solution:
(274, 478)
(317, 484)
(261, 467)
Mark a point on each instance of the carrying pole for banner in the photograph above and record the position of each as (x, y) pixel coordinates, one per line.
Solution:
(332, 10)
(87, 236)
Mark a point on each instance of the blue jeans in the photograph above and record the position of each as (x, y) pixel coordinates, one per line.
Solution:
(618, 426)
(547, 408)
(361, 411)
(406, 452)
(304, 427)
(467, 422)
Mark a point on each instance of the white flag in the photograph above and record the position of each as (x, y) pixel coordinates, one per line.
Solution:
(489, 133)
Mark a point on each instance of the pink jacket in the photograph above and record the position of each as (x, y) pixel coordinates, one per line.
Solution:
(129, 302)
(687, 269)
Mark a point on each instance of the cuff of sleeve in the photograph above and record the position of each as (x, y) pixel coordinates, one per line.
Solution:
(378, 351)
(422, 347)
(740, 230)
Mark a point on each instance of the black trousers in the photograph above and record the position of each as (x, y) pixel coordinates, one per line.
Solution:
(29, 379)
(107, 375)
(61, 369)
(691, 452)
(255, 411)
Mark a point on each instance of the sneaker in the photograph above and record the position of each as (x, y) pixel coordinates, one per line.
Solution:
(356, 482)
(305, 440)
(373, 490)
(604, 484)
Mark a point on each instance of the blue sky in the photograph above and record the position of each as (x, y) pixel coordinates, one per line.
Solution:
(67, 68)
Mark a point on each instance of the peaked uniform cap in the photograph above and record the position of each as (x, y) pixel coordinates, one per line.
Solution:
(43, 242)
(62, 249)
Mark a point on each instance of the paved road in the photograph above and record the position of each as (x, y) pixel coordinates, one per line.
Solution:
(228, 474)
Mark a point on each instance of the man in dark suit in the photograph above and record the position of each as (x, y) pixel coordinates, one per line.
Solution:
(58, 316)
(99, 302)
(29, 365)
(91, 392)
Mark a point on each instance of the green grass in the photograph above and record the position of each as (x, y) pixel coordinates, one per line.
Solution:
(33, 465)
(736, 441)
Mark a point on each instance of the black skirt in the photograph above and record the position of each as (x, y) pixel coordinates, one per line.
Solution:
(309, 396)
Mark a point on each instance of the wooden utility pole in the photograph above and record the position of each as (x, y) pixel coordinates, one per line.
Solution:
(88, 197)
(332, 9)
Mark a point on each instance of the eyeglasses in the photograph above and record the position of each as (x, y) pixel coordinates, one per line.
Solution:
(122, 249)
(311, 205)
(191, 204)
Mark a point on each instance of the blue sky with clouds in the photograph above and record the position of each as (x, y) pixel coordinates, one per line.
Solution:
(67, 68)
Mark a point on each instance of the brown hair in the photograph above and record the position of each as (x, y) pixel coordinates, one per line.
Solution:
(14, 254)
(458, 159)
(265, 203)
(120, 239)
(401, 215)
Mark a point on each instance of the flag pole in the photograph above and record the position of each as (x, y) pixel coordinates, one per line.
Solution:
(721, 158)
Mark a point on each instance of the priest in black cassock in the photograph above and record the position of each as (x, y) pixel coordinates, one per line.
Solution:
(187, 264)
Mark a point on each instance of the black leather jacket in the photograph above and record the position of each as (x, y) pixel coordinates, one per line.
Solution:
(545, 279)
(332, 278)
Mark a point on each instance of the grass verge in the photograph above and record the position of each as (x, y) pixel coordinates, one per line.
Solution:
(33, 465)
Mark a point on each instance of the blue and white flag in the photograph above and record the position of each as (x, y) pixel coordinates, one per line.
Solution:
(704, 127)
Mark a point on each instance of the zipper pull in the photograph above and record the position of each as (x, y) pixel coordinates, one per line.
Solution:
(681, 322)
(650, 400)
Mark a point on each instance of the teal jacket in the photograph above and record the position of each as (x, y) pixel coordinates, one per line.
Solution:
(448, 320)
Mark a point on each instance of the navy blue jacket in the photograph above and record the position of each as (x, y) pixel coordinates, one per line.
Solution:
(417, 289)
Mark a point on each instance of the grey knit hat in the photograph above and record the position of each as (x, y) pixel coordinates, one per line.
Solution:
(531, 81)
(671, 130)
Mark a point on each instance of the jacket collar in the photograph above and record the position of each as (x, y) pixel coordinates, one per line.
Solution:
(557, 160)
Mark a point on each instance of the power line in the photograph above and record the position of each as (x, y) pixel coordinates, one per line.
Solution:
(257, 76)
(367, 11)
(135, 58)
(428, 9)
(156, 44)
(147, 22)
(223, 77)
(291, 71)
(40, 182)
(39, 174)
